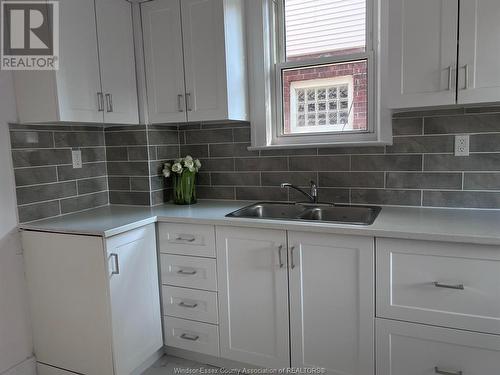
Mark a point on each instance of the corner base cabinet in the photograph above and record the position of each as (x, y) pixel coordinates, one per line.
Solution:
(94, 302)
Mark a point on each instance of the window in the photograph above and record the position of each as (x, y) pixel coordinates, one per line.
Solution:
(317, 70)
(322, 69)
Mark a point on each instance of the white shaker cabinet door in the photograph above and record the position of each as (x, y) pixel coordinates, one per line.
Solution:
(162, 33)
(117, 61)
(78, 78)
(479, 54)
(135, 301)
(204, 57)
(422, 52)
(332, 302)
(253, 296)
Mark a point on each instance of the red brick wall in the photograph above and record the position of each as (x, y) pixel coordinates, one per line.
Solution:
(358, 71)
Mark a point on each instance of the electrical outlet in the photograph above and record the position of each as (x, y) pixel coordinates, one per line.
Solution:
(77, 158)
(461, 145)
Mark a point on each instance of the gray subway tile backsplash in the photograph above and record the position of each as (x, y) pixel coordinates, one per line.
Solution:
(125, 163)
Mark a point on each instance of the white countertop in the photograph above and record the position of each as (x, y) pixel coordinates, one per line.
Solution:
(453, 225)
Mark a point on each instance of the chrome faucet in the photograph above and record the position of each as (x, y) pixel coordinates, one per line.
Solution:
(313, 195)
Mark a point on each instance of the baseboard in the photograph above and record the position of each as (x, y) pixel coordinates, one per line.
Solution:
(26, 367)
(149, 362)
(207, 359)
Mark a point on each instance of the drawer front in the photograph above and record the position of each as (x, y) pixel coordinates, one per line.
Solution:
(194, 336)
(414, 349)
(189, 272)
(190, 304)
(445, 284)
(187, 239)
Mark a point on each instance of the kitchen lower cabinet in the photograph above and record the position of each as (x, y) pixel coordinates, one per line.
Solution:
(415, 349)
(332, 302)
(94, 302)
(329, 280)
(253, 296)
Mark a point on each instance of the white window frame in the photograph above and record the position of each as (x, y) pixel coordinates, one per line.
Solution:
(266, 59)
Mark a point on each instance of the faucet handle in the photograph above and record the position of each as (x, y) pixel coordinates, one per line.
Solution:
(285, 184)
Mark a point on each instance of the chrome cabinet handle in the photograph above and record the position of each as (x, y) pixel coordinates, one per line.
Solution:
(179, 102)
(185, 237)
(280, 257)
(185, 336)
(109, 103)
(188, 305)
(188, 102)
(292, 260)
(116, 270)
(466, 70)
(437, 370)
(450, 78)
(184, 272)
(100, 102)
(437, 284)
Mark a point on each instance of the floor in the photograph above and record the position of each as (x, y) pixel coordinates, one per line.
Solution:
(168, 365)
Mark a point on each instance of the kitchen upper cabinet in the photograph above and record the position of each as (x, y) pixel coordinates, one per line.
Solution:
(95, 82)
(95, 305)
(117, 61)
(422, 52)
(162, 35)
(253, 296)
(479, 51)
(423, 65)
(195, 60)
(332, 302)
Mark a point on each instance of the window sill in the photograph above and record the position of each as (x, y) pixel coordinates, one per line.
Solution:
(320, 145)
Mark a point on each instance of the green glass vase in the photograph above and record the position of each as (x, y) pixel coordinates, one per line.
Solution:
(184, 187)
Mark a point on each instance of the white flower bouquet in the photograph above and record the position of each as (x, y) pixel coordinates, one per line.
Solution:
(183, 171)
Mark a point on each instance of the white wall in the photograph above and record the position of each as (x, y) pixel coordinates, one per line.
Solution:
(15, 335)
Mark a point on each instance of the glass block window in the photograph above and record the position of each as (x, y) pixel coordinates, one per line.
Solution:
(329, 98)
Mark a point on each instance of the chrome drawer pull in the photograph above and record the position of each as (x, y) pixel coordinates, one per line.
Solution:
(188, 305)
(437, 370)
(186, 238)
(184, 272)
(449, 286)
(185, 336)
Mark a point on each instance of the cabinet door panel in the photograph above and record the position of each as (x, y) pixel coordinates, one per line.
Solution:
(117, 60)
(161, 24)
(332, 302)
(253, 296)
(135, 301)
(204, 57)
(479, 55)
(78, 78)
(66, 279)
(422, 52)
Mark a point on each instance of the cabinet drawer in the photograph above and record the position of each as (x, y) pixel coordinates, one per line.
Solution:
(445, 284)
(414, 349)
(190, 304)
(187, 239)
(189, 272)
(194, 336)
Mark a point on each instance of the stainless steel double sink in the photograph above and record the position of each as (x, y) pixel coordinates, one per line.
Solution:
(343, 214)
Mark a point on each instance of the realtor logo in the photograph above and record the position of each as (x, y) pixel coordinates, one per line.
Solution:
(29, 35)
